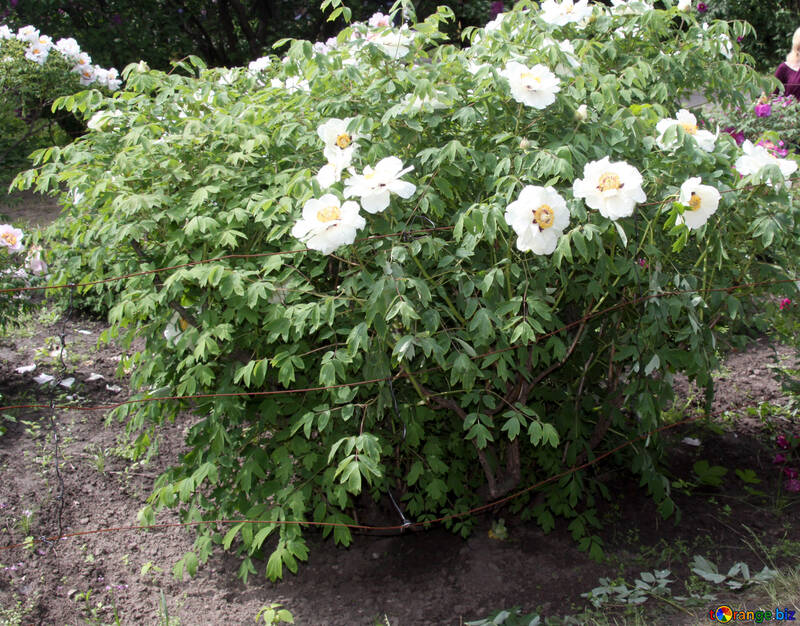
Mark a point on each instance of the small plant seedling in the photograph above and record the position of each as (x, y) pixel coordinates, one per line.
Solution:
(274, 614)
(709, 474)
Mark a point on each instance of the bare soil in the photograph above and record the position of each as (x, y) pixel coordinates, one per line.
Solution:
(430, 577)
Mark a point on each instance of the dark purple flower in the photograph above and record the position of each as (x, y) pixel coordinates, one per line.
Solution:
(496, 7)
(736, 134)
(790, 472)
(763, 110)
(739, 39)
(782, 441)
(779, 458)
(14, 3)
(116, 19)
(701, 7)
(793, 485)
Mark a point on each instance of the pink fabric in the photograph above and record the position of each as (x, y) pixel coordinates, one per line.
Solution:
(790, 79)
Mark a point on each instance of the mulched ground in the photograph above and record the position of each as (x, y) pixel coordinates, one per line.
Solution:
(430, 577)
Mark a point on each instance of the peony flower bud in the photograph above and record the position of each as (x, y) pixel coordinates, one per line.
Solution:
(582, 113)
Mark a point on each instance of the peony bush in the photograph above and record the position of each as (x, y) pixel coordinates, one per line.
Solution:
(420, 274)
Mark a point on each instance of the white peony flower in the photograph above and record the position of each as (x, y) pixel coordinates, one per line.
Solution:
(565, 12)
(705, 139)
(34, 261)
(701, 202)
(630, 7)
(69, 48)
(611, 188)
(755, 158)
(102, 119)
(535, 86)
(82, 61)
(11, 238)
(328, 175)
(259, 64)
(113, 81)
(538, 217)
(45, 41)
(684, 5)
(392, 43)
(28, 33)
(725, 45)
(414, 104)
(379, 20)
(6, 32)
(339, 142)
(582, 113)
(326, 224)
(291, 85)
(87, 75)
(175, 328)
(37, 53)
(375, 186)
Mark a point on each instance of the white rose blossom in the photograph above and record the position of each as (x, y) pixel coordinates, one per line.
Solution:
(614, 189)
(339, 142)
(565, 12)
(327, 224)
(684, 5)
(756, 158)
(11, 238)
(705, 139)
(6, 32)
(375, 186)
(701, 202)
(533, 86)
(538, 216)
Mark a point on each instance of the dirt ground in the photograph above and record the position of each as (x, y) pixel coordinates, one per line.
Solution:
(428, 577)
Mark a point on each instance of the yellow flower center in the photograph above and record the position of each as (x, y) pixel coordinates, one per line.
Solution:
(343, 140)
(694, 202)
(369, 174)
(544, 216)
(329, 213)
(530, 76)
(607, 181)
(689, 128)
(9, 238)
(183, 324)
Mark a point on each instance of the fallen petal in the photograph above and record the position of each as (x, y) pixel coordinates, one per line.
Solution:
(114, 388)
(25, 369)
(44, 378)
(92, 377)
(690, 441)
(67, 382)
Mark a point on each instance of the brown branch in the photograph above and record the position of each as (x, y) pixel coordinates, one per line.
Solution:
(449, 403)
